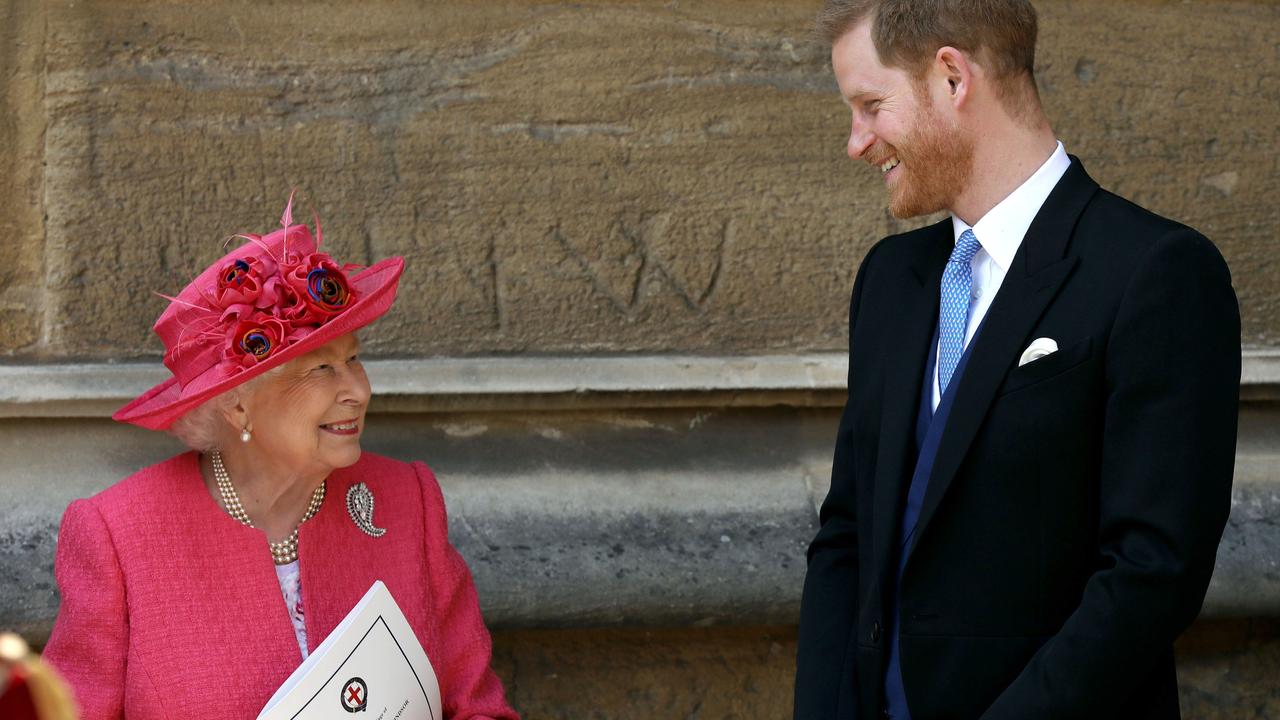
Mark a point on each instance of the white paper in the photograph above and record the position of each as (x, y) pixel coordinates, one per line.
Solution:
(371, 667)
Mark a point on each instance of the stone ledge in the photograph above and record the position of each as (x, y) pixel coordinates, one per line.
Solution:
(1260, 375)
(486, 383)
(526, 383)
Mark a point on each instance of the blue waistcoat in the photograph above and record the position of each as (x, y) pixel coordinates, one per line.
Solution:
(929, 426)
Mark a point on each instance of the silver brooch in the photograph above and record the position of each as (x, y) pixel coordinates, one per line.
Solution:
(360, 506)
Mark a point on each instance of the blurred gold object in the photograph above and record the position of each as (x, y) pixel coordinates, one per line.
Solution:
(49, 694)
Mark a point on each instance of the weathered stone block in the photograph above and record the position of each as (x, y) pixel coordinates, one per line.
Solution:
(585, 178)
(1229, 670)
(643, 674)
(21, 193)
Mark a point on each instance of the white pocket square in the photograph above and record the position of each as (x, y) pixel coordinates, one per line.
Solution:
(1037, 349)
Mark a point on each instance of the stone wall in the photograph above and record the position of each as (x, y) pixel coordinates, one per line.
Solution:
(600, 177)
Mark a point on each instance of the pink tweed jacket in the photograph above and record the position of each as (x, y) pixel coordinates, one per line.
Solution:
(172, 609)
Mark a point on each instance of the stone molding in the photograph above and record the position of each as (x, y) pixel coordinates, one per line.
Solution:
(583, 491)
(538, 382)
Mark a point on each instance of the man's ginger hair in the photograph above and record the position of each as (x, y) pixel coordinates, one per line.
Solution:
(999, 34)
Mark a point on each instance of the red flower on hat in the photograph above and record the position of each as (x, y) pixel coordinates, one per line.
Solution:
(256, 338)
(319, 290)
(249, 282)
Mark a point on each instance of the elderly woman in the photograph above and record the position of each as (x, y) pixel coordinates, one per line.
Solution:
(194, 587)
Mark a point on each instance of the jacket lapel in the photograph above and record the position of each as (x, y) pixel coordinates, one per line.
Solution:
(906, 350)
(1038, 271)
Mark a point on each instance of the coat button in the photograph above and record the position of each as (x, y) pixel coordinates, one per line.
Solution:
(875, 632)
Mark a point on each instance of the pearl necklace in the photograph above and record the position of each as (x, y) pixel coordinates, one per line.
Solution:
(283, 552)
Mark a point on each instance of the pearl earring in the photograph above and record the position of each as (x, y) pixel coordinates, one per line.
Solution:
(245, 435)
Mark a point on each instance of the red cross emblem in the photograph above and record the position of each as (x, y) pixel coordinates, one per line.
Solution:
(355, 695)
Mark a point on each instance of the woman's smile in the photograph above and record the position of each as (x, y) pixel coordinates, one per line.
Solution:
(344, 427)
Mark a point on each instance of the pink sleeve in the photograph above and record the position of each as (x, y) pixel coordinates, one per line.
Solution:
(469, 689)
(90, 636)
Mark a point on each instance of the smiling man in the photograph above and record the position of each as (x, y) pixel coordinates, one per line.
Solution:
(1033, 468)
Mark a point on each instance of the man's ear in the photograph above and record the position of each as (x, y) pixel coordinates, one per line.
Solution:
(952, 66)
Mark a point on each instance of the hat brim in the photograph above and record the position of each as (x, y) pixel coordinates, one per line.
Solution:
(157, 408)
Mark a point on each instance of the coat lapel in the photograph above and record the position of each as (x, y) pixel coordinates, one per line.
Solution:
(1038, 271)
(907, 348)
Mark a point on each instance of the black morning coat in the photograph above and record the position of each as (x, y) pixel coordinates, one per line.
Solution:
(1072, 518)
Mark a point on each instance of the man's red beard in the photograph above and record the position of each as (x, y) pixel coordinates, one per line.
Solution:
(936, 162)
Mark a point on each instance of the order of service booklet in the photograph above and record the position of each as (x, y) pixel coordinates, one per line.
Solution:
(371, 666)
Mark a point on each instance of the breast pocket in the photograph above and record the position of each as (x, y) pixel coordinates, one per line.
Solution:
(1047, 367)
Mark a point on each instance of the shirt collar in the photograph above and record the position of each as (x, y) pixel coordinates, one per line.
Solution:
(1001, 230)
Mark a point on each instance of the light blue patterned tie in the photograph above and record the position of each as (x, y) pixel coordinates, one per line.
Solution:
(953, 315)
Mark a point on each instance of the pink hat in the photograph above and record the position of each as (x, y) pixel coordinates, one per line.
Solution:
(267, 302)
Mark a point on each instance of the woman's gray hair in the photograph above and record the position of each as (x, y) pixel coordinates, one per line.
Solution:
(204, 426)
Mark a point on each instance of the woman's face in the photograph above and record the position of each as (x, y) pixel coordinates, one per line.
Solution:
(308, 416)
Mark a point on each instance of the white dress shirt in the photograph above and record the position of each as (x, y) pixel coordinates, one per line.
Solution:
(1000, 233)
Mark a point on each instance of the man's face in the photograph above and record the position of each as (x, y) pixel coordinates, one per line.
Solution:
(897, 128)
